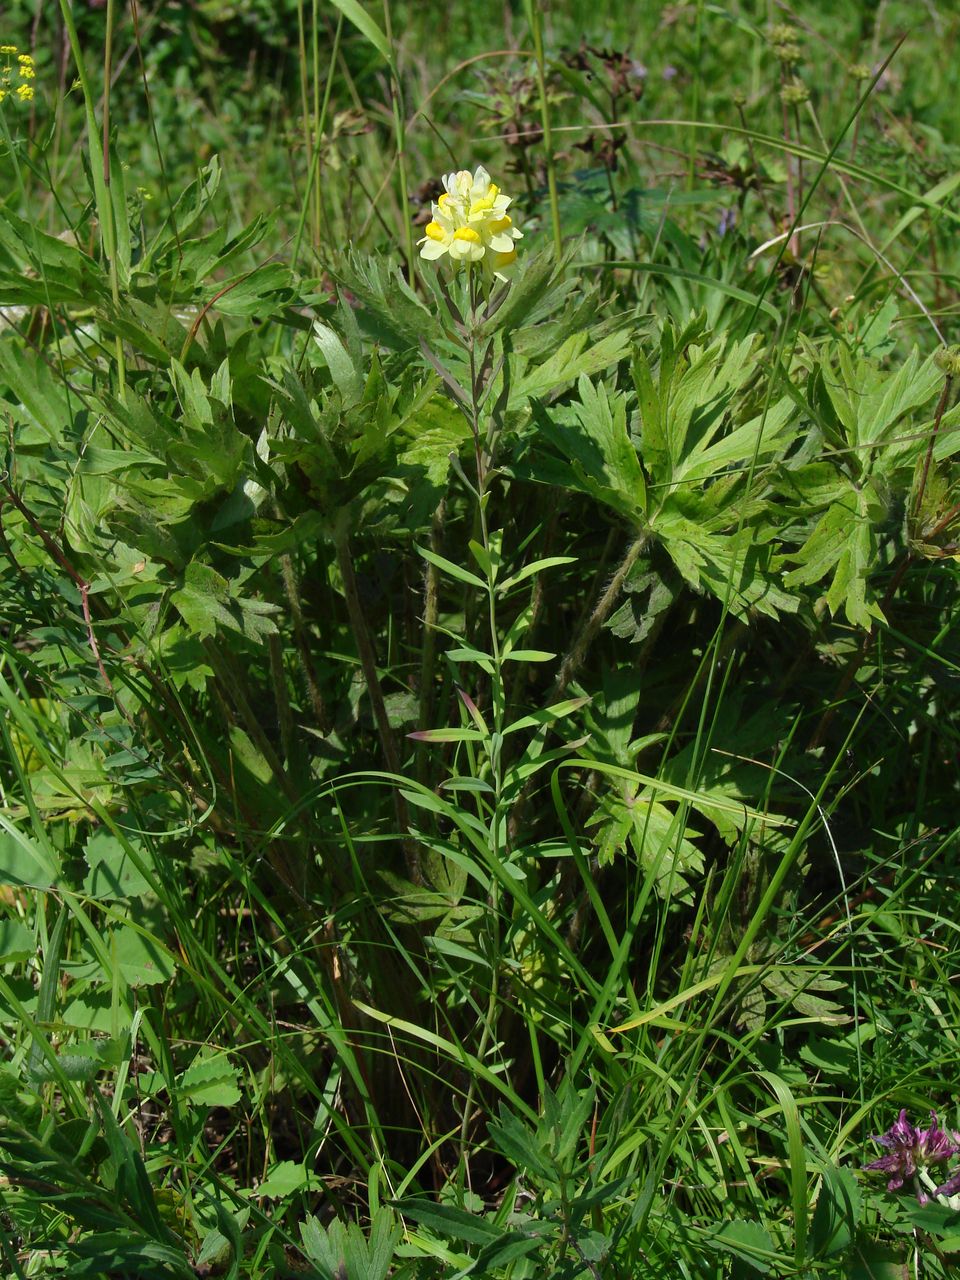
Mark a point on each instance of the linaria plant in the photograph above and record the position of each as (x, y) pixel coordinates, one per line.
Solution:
(472, 230)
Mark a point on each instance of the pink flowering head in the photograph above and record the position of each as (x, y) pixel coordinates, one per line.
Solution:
(911, 1149)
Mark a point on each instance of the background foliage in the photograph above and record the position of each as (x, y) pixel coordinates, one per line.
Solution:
(479, 773)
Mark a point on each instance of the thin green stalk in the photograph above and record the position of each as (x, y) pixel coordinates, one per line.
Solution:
(100, 158)
(319, 117)
(536, 30)
(400, 133)
(281, 700)
(601, 611)
(368, 663)
(321, 124)
(428, 650)
(304, 87)
(695, 97)
(291, 587)
(111, 208)
(498, 817)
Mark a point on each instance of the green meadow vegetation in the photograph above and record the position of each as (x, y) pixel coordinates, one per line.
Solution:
(479, 756)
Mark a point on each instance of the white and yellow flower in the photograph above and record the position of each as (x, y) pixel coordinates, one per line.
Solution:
(470, 223)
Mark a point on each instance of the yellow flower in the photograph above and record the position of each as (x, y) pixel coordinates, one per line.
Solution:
(470, 223)
(8, 48)
(25, 92)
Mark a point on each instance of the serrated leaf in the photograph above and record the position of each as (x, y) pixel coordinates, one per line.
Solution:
(211, 1081)
(207, 601)
(749, 1242)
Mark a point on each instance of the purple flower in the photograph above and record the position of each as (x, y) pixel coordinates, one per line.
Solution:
(911, 1149)
(950, 1187)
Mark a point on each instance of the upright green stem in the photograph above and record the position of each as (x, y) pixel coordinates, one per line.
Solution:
(591, 629)
(498, 844)
(400, 133)
(313, 176)
(319, 116)
(428, 652)
(100, 158)
(695, 101)
(536, 30)
(368, 663)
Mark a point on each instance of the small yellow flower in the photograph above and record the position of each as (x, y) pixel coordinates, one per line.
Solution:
(470, 223)
(8, 48)
(25, 92)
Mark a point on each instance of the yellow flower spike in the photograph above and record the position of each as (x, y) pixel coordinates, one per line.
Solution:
(470, 223)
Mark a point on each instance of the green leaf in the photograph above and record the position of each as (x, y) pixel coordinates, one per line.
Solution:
(207, 601)
(601, 460)
(538, 566)
(345, 377)
(112, 874)
(874, 1261)
(210, 1081)
(454, 570)
(749, 1242)
(522, 1147)
(574, 359)
(448, 735)
(451, 1223)
(354, 12)
(837, 1214)
(284, 1179)
(22, 862)
(141, 959)
(844, 547)
(16, 942)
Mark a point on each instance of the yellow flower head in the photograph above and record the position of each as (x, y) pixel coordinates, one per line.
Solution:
(470, 223)
(23, 69)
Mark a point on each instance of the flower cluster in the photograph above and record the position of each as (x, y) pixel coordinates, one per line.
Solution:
(15, 77)
(470, 223)
(911, 1151)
